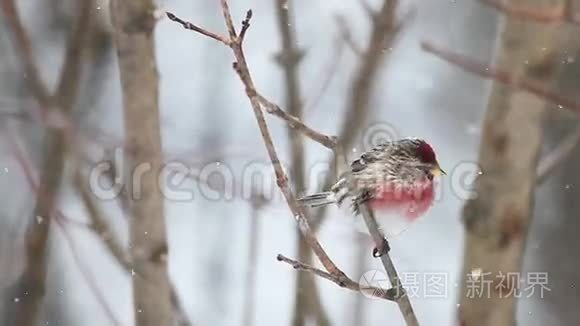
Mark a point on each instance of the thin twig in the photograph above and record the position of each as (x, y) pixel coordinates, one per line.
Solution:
(272, 108)
(501, 76)
(195, 28)
(295, 123)
(557, 156)
(402, 299)
(565, 14)
(347, 283)
(99, 224)
(346, 35)
(86, 273)
(327, 74)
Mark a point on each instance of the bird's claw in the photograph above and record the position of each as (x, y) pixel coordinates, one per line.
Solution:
(382, 250)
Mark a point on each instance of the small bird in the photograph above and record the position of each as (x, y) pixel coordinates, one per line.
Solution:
(395, 177)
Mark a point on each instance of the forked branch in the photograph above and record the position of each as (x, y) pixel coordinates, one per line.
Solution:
(235, 42)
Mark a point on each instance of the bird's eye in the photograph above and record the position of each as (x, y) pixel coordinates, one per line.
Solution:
(430, 176)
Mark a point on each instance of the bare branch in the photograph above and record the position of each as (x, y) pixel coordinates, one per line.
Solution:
(565, 14)
(27, 169)
(327, 74)
(501, 76)
(24, 47)
(396, 285)
(346, 35)
(195, 28)
(105, 233)
(329, 142)
(245, 25)
(272, 108)
(99, 224)
(68, 84)
(86, 273)
(347, 283)
(32, 281)
(241, 68)
(556, 157)
(380, 36)
(230, 22)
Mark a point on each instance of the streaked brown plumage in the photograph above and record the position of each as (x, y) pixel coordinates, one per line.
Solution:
(393, 174)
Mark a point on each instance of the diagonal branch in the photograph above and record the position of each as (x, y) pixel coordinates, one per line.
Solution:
(86, 272)
(105, 233)
(565, 14)
(27, 169)
(387, 294)
(195, 28)
(396, 285)
(68, 84)
(327, 73)
(24, 47)
(502, 76)
(99, 225)
(242, 70)
(553, 159)
(329, 142)
(271, 108)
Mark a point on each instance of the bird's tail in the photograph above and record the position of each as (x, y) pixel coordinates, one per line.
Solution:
(319, 199)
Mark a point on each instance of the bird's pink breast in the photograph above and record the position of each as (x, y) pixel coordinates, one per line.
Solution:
(410, 201)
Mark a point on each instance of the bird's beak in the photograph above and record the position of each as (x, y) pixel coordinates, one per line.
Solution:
(438, 171)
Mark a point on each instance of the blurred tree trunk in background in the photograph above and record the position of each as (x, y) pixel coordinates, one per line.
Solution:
(29, 292)
(554, 234)
(497, 219)
(134, 22)
(307, 299)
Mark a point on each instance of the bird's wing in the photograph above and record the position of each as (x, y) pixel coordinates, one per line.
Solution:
(376, 154)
